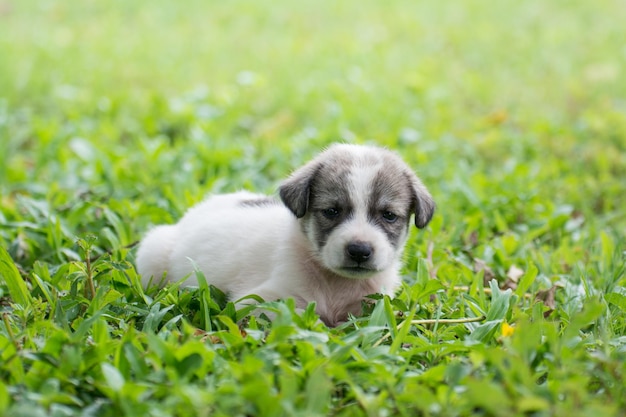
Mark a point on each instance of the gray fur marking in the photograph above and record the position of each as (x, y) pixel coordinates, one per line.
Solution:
(259, 202)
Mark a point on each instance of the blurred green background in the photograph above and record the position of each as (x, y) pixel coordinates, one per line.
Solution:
(118, 115)
(514, 109)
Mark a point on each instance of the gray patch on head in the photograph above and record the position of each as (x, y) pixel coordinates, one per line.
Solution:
(329, 192)
(324, 170)
(317, 186)
(295, 191)
(391, 192)
(398, 179)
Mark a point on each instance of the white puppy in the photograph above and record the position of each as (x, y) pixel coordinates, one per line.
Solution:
(338, 236)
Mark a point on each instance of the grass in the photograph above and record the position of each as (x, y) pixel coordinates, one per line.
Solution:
(116, 115)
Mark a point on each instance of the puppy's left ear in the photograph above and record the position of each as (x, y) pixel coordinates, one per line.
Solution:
(423, 203)
(295, 190)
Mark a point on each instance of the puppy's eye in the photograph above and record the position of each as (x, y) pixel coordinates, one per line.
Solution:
(389, 216)
(330, 213)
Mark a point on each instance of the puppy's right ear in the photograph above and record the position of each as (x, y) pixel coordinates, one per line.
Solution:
(295, 190)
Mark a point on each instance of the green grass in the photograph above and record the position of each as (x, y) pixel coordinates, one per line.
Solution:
(118, 115)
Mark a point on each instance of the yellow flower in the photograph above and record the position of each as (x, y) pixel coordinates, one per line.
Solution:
(507, 329)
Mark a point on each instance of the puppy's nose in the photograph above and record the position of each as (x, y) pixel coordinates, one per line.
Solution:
(359, 251)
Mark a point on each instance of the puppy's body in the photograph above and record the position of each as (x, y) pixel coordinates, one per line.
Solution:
(337, 238)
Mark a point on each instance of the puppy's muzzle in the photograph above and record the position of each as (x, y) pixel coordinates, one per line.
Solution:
(359, 252)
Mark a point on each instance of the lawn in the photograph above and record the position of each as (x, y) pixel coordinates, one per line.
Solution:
(119, 115)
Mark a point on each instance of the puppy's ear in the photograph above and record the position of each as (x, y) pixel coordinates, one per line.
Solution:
(295, 190)
(423, 203)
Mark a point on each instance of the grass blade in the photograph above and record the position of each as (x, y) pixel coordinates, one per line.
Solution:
(18, 290)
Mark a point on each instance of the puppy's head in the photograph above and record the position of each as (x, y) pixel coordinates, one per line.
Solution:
(354, 204)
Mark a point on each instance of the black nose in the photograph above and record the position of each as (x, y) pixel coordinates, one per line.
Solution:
(359, 251)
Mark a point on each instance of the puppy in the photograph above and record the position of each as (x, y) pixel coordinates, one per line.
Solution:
(337, 236)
